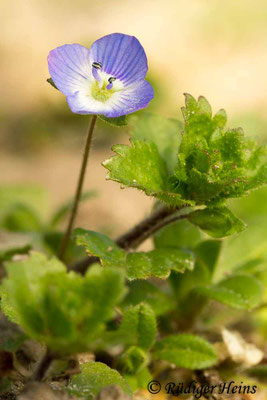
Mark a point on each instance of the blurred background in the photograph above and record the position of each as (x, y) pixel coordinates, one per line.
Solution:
(205, 47)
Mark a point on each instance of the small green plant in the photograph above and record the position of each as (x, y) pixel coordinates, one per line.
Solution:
(139, 313)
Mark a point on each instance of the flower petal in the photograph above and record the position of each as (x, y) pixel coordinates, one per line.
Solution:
(121, 103)
(132, 99)
(81, 103)
(70, 68)
(121, 56)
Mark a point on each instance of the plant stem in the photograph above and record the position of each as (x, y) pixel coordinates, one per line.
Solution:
(43, 366)
(78, 193)
(138, 234)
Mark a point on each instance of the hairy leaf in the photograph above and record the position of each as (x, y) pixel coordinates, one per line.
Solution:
(62, 309)
(95, 376)
(186, 351)
(217, 222)
(139, 326)
(138, 265)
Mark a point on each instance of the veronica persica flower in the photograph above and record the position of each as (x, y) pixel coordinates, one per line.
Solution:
(107, 79)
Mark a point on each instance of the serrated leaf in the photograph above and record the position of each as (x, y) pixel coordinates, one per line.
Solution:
(100, 245)
(138, 265)
(139, 326)
(119, 121)
(186, 351)
(216, 222)
(158, 263)
(95, 376)
(145, 291)
(142, 167)
(64, 310)
(238, 291)
(165, 133)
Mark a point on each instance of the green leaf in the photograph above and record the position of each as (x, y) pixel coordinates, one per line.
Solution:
(65, 208)
(21, 218)
(216, 222)
(145, 291)
(95, 376)
(138, 265)
(208, 252)
(11, 337)
(142, 167)
(186, 351)
(100, 245)
(119, 121)
(158, 263)
(6, 255)
(238, 291)
(139, 379)
(134, 359)
(179, 234)
(51, 82)
(139, 326)
(64, 310)
(165, 133)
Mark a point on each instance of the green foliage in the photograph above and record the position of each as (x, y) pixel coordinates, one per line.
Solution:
(133, 360)
(138, 265)
(165, 133)
(186, 351)
(64, 310)
(21, 218)
(141, 290)
(217, 222)
(95, 376)
(118, 122)
(139, 326)
(212, 163)
(238, 291)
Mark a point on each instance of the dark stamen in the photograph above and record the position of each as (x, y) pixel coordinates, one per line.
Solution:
(97, 65)
(111, 79)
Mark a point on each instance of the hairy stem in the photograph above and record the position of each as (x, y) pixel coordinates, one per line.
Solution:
(78, 193)
(138, 234)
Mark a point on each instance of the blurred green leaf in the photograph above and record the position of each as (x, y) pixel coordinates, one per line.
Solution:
(139, 379)
(141, 290)
(186, 351)
(118, 122)
(95, 376)
(6, 255)
(243, 292)
(139, 326)
(179, 234)
(21, 218)
(217, 222)
(208, 252)
(165, 133)
(134, 359)
(64, 310)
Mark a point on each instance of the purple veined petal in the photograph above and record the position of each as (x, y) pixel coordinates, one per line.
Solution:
(123, 102)
(81, 103)
(129, 100)
(121, 56)
(70, 68)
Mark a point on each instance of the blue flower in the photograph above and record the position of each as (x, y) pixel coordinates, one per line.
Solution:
(107, 79)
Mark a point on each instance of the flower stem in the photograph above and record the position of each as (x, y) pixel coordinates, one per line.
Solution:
(78, 193)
